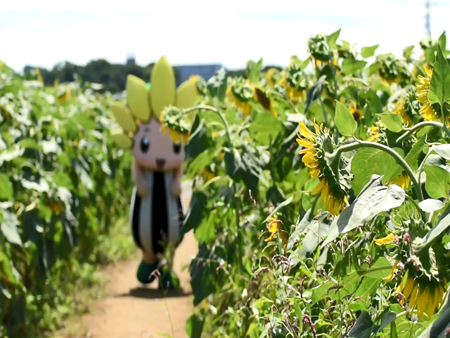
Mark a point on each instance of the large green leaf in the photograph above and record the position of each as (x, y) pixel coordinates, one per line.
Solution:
(442, 225)
(437, 183)
(363, 327)
(332, 38)
(314, 92)
(367, 52)
(393, 122)
(440, 81)
(345, 122)
(6, 191)
(367, 162)
(373, 199)
(352, 66)
(194, 326)
(195, 212)
(265, 127)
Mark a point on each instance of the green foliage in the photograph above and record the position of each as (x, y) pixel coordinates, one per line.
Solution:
(315, 229)
(64, 186)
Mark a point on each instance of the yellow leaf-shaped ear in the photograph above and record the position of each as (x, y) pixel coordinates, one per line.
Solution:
(123, 117)
(137, 97)
(121, 140)
(186, 94)
(163, 86)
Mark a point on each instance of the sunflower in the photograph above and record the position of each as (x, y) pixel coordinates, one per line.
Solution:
(271, 76)
(400, 110)
(403, 180)
(295, 83)
(207, 175)
(264, 100)
(240, 93)
(333, 193)
(275, 227)
(174, 122)
(423, 86)
(389, 239)
(376, 132)
(357, 114)
(422, 294)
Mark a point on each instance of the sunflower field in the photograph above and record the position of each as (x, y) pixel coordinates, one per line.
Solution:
(63, 185)
(321, 195)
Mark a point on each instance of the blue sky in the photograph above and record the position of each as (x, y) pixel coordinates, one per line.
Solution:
(45, 32)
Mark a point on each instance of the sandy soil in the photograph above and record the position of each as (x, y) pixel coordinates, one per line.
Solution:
(133, 311)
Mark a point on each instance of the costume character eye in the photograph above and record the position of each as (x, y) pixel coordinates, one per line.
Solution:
(145, 144)
(177, 148)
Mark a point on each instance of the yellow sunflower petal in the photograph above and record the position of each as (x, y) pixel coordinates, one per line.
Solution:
(163, 86)
(391, 276)
(186, 94)
(386, 240)
(319, 186)
(121, 140)
(414, 296)
(137, 97)
(315, 173)
(123, 116)
(408, 287)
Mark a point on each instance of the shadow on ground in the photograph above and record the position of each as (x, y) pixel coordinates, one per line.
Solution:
(148, 293)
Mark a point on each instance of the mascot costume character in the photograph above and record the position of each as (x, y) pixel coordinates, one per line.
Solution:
(156, 211)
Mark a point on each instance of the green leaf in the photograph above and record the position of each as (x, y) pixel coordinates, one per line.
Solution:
(437, 182)
(393, 330)
(369, 161)
(194, 327)
(217, 85)
(198, 141)
(440, 81)
(195, 212)
(314, 92)
(345, 122)
(233, 164)
(442, 225)
(279, 207)
(321, 291)
(264, 127)
(29, 143)
(443, 41)
(407, 52)
(6, 191)
(332, 38)
(206, 231)
(373, 199)
(367, 288)
(367, 52)
(255, 71)
(380, 269)
(442, 150)
(388, 318)
(393, 122)
(352, 66)
(11, 232)
(430, 205)
(363, 327)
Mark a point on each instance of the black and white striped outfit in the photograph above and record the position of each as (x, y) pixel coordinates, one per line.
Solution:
(158, 217)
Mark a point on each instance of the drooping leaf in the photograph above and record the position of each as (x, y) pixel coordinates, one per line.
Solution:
(345, 122)
(352, 66)
(430, 205)
(363, 327)
(373, 199)
(440, 81)
(314, 92)
(194, 326)
(332, 38)
(393, 122)
(367, 162)
(367, 52)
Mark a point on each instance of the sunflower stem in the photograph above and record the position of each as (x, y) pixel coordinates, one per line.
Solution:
(443, 119)
(325, 114)
(364, 144)
(418, 126)
(333, 74)
(215, 110)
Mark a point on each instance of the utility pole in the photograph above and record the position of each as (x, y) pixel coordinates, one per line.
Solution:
(427, 18)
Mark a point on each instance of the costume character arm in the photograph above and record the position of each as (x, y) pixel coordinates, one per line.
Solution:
(176, 185)
(139, 180)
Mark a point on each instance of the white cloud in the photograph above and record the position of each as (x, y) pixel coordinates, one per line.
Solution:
(43, 33)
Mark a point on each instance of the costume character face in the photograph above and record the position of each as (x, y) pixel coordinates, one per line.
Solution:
(155, 151)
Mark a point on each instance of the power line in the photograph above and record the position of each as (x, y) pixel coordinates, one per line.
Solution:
(428, 17)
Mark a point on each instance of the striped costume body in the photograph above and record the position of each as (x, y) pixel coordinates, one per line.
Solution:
(156, 219)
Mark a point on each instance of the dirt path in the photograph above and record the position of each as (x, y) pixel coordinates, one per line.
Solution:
(132, 311)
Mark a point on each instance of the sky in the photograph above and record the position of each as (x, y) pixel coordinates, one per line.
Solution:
(45, 32)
